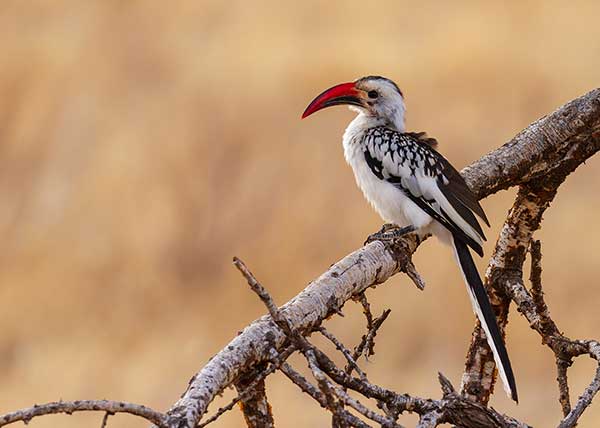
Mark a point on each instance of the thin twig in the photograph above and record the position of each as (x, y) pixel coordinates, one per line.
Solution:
(105, 420)
(411, 271)
(367, 344)
(332, 394)
(447, 387)
(335, 394)
(317, 395)
(366, 310)
(547, 325)
(69, 407)
(369, 390)
(586, 398)
(537, 294)
(257, 287)
(563, 385)
(331, 403)
(345, 351)
(303, 384)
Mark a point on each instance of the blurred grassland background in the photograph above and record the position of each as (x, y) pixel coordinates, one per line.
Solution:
(145, 143)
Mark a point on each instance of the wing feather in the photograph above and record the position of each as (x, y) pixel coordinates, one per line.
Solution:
(457, 187)
(410, 162)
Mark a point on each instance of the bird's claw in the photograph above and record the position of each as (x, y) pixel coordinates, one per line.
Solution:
(377, 236)
(389, 232)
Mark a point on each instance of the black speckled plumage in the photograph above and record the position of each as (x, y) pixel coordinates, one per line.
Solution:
(411, 185)
(409, 156)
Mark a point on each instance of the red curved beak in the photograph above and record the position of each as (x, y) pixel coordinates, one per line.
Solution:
(345, 93)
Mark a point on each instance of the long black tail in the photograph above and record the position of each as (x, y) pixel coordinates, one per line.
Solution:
(482, 307)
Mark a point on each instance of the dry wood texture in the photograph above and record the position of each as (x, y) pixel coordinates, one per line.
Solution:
(542, 155)
(537, 160)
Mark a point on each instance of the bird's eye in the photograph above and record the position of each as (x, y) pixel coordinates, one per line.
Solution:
(373, 94)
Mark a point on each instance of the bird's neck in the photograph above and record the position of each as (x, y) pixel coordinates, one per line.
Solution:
(395, 117)
(393, 120)
(363, 122)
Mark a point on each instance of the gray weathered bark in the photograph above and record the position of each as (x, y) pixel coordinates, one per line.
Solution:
(568, 136)
(537, 160)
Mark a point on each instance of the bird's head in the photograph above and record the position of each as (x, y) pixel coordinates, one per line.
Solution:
(376, 97)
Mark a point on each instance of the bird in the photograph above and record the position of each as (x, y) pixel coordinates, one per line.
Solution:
(414, 189)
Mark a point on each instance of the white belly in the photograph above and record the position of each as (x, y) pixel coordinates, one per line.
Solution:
(390, 202)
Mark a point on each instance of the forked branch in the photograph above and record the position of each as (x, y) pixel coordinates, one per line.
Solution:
(554, 144)
(537, 161)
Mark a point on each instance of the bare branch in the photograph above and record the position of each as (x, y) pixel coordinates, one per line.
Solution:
(257, 288)
(563, 385)
(504, 276)
(411, 271)
(70, 407)
(334, 397)
(255, 406)
(250, 388)
(454, 408)
(447, 387)
(345, 351)
(551, 141)
(547, 325)
(337, 393)
(317, 395)
(304, 384)
(538, 160)
(362, 298)
(367, 343)
(369, 265)
(586, 398)
(555, 143)
(105, 420)
(534, 309)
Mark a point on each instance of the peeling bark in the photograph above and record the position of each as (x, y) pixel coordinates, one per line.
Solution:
(537, 160)
(324, 297)
(255, 407)
(555, 143)
(505, 268)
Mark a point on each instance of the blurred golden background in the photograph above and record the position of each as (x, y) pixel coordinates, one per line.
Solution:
(145, 143)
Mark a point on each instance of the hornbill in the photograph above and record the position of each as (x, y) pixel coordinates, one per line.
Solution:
(414, 187)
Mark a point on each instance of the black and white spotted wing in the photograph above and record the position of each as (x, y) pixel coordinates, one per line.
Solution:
(410, 162)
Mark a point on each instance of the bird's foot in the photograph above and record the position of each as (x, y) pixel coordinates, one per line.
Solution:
(389, 232)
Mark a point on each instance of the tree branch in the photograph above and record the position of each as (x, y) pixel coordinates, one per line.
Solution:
(255, 406)
(565, 138)
(70, 407)
(505, 269)
(537, 160)
(586, 398)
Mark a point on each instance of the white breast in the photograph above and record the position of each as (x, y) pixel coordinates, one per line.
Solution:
(390, 202)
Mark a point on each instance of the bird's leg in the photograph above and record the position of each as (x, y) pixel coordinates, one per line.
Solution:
(390, 232)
